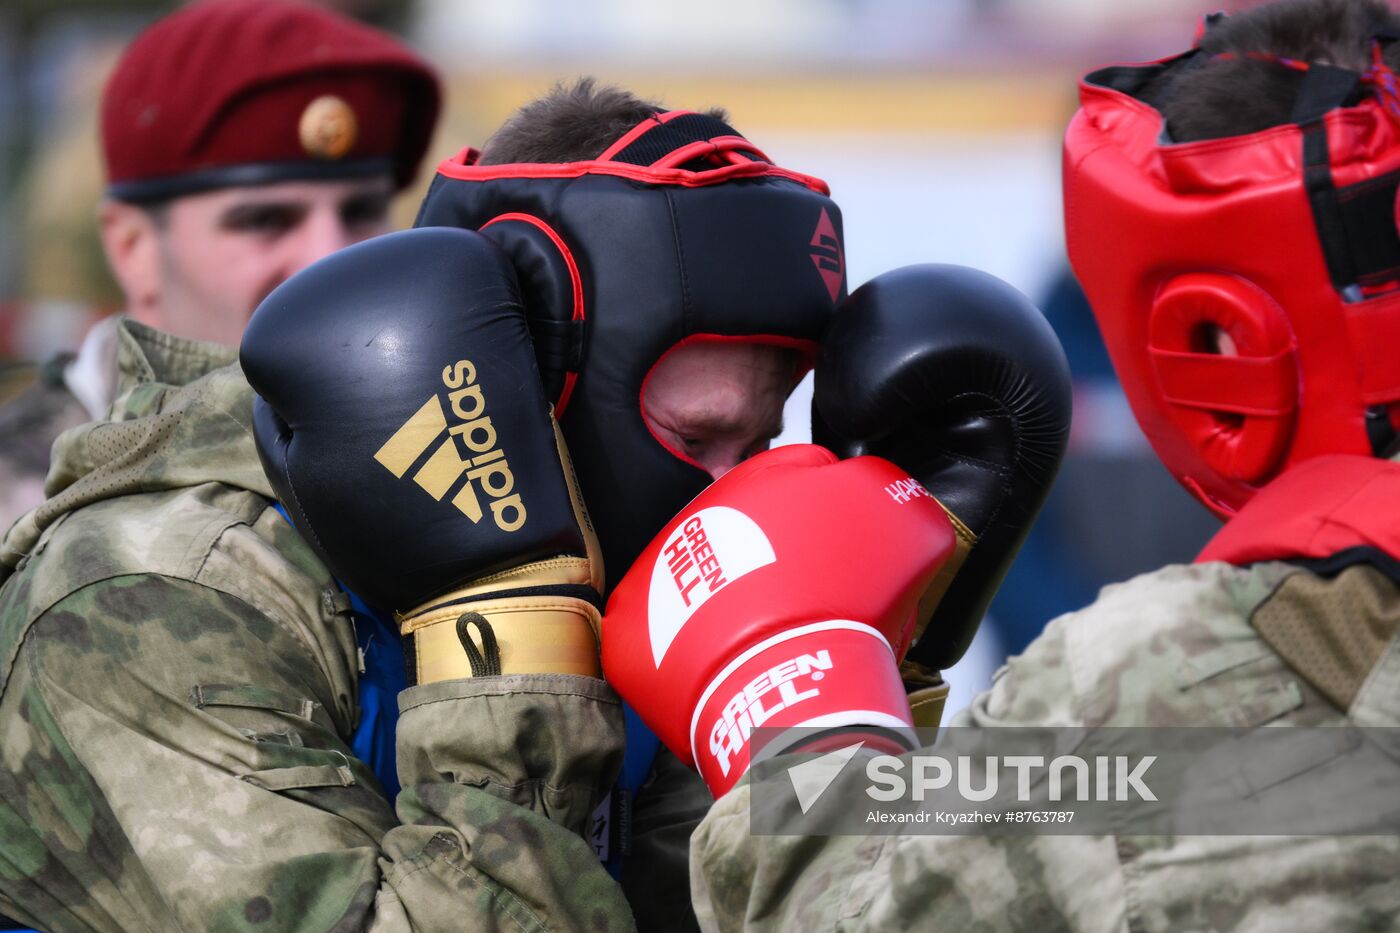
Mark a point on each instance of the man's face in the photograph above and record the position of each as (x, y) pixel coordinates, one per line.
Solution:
(719, 403)
(214, 256)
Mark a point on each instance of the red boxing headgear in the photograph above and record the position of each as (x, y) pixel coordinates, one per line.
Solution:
(1284, 240)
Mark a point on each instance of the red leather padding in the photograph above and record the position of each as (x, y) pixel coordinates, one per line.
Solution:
(1171, 239)
(1314, 510)
(1374, 329)
(1238, 410)
(1244, 385)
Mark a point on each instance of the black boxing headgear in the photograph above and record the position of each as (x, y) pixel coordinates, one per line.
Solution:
(679, 231)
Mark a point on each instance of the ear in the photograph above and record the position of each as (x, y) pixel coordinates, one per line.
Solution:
(131, 240)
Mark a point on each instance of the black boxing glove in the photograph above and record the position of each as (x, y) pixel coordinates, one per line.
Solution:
(401, 420)
(955, 376)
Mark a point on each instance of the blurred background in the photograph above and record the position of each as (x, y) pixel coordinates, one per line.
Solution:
(936, 122)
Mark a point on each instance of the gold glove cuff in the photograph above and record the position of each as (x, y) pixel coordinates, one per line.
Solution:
(535, 635)
(926, 705)
(938, 587)
(928, 693)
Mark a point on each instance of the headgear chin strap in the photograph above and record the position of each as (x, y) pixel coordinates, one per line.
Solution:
(1285, 241)
(681, 230)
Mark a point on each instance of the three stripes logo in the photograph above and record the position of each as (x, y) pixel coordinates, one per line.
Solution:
(826, 254)
(484, 467)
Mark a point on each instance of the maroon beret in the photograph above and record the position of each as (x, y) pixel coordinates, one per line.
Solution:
(241, 92)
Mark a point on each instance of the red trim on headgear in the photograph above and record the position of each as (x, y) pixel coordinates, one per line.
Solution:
(720, 147)
(463, 167)
(575, 283)
(638, 131)
(725, 147)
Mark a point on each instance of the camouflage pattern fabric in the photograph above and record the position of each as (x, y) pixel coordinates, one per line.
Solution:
(30, 422)
(177, 688)
(1171, 648)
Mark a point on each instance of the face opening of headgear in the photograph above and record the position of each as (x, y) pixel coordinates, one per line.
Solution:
(1247, 287)
(680, 230)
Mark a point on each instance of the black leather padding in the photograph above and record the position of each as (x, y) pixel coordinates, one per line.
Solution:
(955, 376)
(660, 262)
(557, 322)
(349, 350)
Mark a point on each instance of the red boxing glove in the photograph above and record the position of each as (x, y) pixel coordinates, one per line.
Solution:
(782, 596)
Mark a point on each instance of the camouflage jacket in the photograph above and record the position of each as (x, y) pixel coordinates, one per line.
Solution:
(1194, 645)
(29, 424)
(178, 685)
(70, 389)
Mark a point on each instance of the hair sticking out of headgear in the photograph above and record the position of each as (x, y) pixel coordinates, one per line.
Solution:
(1379, 77)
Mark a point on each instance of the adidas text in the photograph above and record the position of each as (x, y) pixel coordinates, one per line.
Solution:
(485, 467)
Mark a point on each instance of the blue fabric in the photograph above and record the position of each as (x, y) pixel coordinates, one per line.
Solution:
(383, 678)
(642, 745)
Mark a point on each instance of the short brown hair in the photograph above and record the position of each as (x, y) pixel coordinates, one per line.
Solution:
(573, 122)
(1225, 92)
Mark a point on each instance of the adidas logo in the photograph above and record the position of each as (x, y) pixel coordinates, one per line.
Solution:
(485, 467)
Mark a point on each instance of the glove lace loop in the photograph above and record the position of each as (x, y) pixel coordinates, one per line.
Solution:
(486, 660)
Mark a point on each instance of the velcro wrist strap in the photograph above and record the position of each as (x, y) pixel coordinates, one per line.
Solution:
(540, 634)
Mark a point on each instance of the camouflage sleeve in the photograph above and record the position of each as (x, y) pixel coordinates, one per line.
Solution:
(1034, 688)
(745, 882)
(172, 761)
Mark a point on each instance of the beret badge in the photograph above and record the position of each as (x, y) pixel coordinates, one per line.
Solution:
(327, 128)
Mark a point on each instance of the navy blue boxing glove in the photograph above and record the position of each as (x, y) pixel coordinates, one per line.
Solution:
(401, 420)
